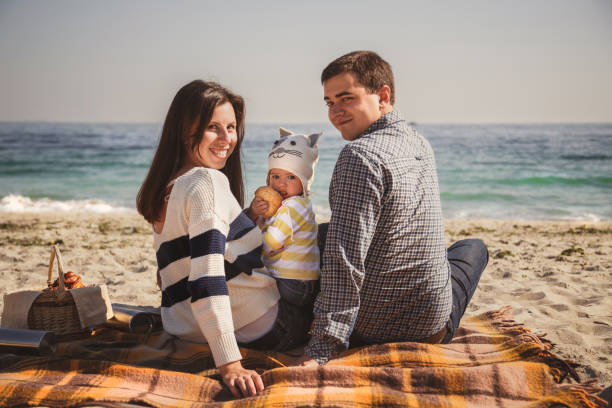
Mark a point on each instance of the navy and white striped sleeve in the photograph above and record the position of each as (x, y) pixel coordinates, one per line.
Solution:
(243, 247)
(206, 284)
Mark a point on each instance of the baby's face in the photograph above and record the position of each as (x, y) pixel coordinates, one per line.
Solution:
(286, 183)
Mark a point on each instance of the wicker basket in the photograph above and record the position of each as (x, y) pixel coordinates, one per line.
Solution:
(55, 310)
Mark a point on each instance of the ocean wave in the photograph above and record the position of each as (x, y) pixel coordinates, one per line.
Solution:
(578, 157)
(18, 203)
(477, 196)
(591, 181)
(560, 215)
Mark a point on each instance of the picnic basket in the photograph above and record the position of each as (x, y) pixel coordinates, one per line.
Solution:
(55, 310)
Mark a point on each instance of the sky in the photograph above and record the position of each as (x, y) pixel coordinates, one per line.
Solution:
(473, 61)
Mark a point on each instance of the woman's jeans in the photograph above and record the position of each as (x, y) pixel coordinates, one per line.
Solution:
(467, 259)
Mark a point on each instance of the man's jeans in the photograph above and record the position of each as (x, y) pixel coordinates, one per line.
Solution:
(467, 259)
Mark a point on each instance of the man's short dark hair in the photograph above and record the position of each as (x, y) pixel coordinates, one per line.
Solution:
(372, 71)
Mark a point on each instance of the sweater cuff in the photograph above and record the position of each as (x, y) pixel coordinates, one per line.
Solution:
(224, 349)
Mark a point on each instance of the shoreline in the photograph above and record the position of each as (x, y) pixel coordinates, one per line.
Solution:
(555, 274)
(20, 204)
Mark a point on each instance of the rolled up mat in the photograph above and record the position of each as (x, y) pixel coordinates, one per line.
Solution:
(24, 341)
(136, 319)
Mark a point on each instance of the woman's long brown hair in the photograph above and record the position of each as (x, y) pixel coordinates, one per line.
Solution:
(193, 103)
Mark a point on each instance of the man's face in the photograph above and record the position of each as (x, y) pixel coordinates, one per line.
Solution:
(351, 108)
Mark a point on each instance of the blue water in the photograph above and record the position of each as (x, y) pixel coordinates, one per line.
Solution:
(485, 171)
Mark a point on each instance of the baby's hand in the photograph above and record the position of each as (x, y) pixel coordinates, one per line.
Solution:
(258, 207)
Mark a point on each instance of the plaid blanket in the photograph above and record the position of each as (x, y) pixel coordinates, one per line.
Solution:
(492, 362)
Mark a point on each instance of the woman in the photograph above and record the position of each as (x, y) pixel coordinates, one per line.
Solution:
(208, 249)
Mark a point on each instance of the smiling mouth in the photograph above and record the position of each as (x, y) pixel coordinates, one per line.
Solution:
(220, 153)
(343, 122)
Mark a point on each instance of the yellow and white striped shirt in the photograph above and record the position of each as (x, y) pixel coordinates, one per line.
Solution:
(290, 247)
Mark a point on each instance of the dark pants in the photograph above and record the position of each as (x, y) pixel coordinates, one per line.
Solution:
(289, 330)
(467, 259)
(298, 292)
(294, 318)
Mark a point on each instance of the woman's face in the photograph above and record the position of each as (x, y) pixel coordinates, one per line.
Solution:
(218, 141)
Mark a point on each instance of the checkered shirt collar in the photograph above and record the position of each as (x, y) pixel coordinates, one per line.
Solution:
(384, 121)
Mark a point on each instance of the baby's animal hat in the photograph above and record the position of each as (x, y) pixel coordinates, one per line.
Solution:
(297, 154)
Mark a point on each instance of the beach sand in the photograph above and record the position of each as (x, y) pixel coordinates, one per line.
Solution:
(555, 274)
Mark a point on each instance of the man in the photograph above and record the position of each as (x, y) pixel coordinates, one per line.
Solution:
(385, 271)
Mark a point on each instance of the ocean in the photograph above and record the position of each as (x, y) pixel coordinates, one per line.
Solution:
(518, 171)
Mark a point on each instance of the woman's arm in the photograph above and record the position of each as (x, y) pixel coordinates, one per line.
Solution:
(209, 229)
(206, 284)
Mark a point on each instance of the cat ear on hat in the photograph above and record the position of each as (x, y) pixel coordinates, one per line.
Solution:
(284, 132)
(314, 139)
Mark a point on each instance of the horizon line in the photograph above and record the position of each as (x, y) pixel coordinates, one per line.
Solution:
(412, 122)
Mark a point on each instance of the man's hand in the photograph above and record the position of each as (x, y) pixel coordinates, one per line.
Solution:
(240, 380)
(305, 361)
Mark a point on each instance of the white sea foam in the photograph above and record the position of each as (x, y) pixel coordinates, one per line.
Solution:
(18, 203)
(585, 217)
(515, 214)
(321, 212)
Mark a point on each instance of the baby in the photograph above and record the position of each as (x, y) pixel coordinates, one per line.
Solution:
(290, 250)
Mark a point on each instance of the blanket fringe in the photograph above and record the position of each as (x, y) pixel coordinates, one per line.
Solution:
(503, 320)
(505, 313)
(572, 395)
(584, 394)
(562, 368)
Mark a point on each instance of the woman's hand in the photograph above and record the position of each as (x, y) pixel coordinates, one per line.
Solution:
(240, 380)
(258, 207)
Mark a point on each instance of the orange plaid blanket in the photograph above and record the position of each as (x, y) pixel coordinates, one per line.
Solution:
(492, 362)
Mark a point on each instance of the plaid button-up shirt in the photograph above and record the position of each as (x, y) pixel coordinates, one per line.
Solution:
(385, 274)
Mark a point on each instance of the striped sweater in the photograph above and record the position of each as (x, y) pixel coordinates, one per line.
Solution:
(290, 247)
(208, 254)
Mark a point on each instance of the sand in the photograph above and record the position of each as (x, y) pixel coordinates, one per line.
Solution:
(555, 274)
